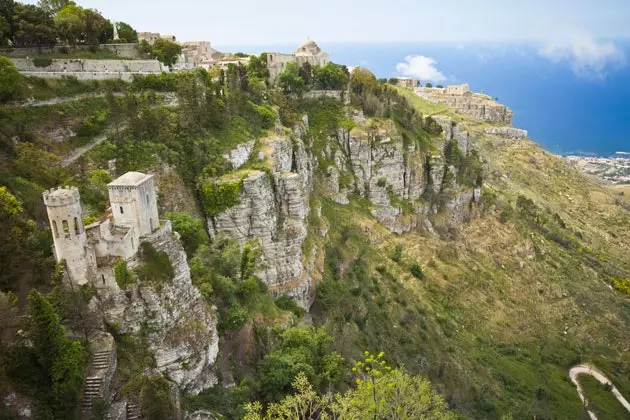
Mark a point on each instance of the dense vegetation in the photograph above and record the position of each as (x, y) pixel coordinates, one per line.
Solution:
(491, 313)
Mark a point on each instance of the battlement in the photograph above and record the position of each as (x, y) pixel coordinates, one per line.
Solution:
(61, 197)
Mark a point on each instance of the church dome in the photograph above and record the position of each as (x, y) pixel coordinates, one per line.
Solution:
(308, 47)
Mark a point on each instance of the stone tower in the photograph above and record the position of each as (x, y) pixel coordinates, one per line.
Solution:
(134, 202)
(65, 216)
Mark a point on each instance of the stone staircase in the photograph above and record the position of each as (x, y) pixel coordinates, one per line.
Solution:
(133, 411)
(94, 382)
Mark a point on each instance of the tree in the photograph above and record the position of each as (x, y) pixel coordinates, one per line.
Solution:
(12, 85)
(50, 368)
(37, 165)
(331, 76)
(5, 32)
(428, 84)
(13, 247)
(306, 73)
(33, 27)
(166, 51)
(290, 80)
(257, 67)
(98, 30)
(306, 350)
(190, 229)
(381, 393)
(77, 25)
(362, 81)
(127, 33)
(52, 7)
(70, 24)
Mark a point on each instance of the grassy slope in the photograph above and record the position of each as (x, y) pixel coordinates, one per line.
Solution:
(504, 311)
(601, 401)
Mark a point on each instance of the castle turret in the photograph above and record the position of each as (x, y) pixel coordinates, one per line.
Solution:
(134, 202)
(65, 216)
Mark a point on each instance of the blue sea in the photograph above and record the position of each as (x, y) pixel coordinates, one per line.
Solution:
(564, 111)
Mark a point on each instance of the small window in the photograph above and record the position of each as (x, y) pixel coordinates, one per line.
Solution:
(103, 277)
(55, 231)
(66, 228)
(76, 226)
(147, 198)
(121, 210)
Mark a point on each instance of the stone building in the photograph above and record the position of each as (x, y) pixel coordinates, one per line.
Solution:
(90, 250)
(151, 37)
(194, 53)
(458, 90)
(406, 82)
(307, 52)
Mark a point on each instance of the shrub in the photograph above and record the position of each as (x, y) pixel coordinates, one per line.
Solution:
(157, 267)
(218, 197)
(396, 254)
(12, 84)
(284, 302)
(190, 229)
(417, 272)
(123, 276)
(381, 182)
(42, 61)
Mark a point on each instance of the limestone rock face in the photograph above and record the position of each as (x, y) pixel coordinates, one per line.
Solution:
(180, 327)
(394, 176)
(507, 132)
(272, 209)
(241, 154)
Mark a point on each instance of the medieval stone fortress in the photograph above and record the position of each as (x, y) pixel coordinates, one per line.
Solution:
(89, 251)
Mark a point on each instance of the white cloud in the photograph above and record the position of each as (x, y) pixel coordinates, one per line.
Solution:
(587, 56)
(420, 67)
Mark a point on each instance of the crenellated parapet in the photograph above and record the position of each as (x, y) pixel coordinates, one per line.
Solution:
(61, 196)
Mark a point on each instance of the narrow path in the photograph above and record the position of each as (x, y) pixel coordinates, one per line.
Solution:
(54, 101)
(590, 370)
(79, 151)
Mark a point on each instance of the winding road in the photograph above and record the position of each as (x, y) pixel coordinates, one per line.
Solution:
(590, 370)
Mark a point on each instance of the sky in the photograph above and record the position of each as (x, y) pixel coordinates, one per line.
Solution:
(254, 22)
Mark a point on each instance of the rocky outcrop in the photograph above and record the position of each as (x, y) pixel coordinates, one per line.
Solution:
(395, 177)
(475, 105)
(180, 327)
(272, 209)
(507, 132)
(239, 155)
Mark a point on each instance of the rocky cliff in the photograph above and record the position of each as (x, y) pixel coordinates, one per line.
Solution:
(406, 184)
(272, 207)
(180, 327)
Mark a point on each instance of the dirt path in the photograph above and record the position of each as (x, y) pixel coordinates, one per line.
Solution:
(590, 370)
(79, 151)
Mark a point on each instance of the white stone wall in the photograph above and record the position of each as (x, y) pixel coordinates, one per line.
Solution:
(94, 66)
(122, 50)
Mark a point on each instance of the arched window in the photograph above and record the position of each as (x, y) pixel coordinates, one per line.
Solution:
(55, 231)
(66, 228)
(76, 226)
